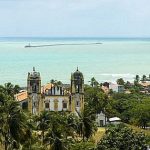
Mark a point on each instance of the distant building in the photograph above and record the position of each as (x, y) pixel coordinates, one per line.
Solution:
(145, 83)
(52, 97)
(115, 120)
(116, 88)
(145, 87)
(101, 119)
(22, 98)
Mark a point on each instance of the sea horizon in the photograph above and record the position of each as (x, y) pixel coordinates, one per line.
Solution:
(114, 58)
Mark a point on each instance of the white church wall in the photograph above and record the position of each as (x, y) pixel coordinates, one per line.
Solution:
(60, 104)
(52, 104)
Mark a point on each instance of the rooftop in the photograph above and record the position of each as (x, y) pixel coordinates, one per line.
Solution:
(21, 96)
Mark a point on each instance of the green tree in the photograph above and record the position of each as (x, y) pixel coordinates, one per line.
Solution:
(121, 105)
(95, 99)
(94, 82)
(12, 122)
(86, 124)
(58, 132)
(120, 81)
(52, 81)
(43, 121)
(11, 89)
(140, 113)
(121, 137)
(149, 77)
(30, 139)
(137, 78)
(83, 146)
(55, 82)
(128, 85)
(144, 78)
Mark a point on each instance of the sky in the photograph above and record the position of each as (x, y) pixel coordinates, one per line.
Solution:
(75, 18)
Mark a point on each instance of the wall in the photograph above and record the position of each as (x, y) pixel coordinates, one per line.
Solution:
(60, 99)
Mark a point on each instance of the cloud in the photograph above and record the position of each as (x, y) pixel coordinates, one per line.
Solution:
(74, 18)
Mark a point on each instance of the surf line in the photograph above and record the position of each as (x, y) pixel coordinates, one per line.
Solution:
(30, 46)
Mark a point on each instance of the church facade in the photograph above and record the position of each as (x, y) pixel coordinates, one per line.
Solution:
(53, 97)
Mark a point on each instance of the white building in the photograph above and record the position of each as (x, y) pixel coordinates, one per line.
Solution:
(101, 119)
(56, 100)
(115, 120)
(116, 88)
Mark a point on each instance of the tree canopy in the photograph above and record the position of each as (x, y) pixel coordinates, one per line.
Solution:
(121, 137)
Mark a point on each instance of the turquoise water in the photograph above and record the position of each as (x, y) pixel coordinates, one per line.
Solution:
(112, 59)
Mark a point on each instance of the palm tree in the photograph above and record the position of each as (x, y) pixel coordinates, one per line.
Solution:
(52, 81)
(137, 78)
(16, 89)
(144, 78)
(55, 82)
(86, 124)
(149, 77)
(12, 122)
(29, 140)
(43, 121)
(59, 130)
(59, 83)
(11, 89)
(94, 83)
(120, 81)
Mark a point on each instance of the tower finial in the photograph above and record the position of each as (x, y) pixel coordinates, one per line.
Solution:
(77, 68)
(33, 68)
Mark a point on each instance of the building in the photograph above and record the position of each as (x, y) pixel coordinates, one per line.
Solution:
(55, 99)
(77, 91)
(114, 120)
(22, 98)
(101, 119)
(116, 88)
(35, 101)
(145, 87)
(52, 97)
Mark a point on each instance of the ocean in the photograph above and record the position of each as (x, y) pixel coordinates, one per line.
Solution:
(112, 59)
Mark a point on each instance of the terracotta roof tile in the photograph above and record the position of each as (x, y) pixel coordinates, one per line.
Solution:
(145, 84)
(21, 96)
(48, 86)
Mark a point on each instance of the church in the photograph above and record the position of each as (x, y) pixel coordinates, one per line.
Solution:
(53, 97)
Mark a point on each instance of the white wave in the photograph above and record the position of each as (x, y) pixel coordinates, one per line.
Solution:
(126, 75)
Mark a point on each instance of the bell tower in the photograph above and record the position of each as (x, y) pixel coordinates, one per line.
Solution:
(77, 91)
(34, 92)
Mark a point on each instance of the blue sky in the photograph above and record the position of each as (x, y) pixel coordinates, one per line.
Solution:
(80, 18)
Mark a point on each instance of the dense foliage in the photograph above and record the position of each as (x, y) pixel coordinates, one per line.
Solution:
(121, 137)
(68, 131)
(131, 108)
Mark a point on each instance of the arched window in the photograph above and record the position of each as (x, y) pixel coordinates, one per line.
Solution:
(64, 104)
(77, 103)
(46, 105)
(34, 88)
(25, 105)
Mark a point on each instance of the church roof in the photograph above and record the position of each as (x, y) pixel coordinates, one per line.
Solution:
(21, 96)
(48, 86)
(34, 74)
(77, 74)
